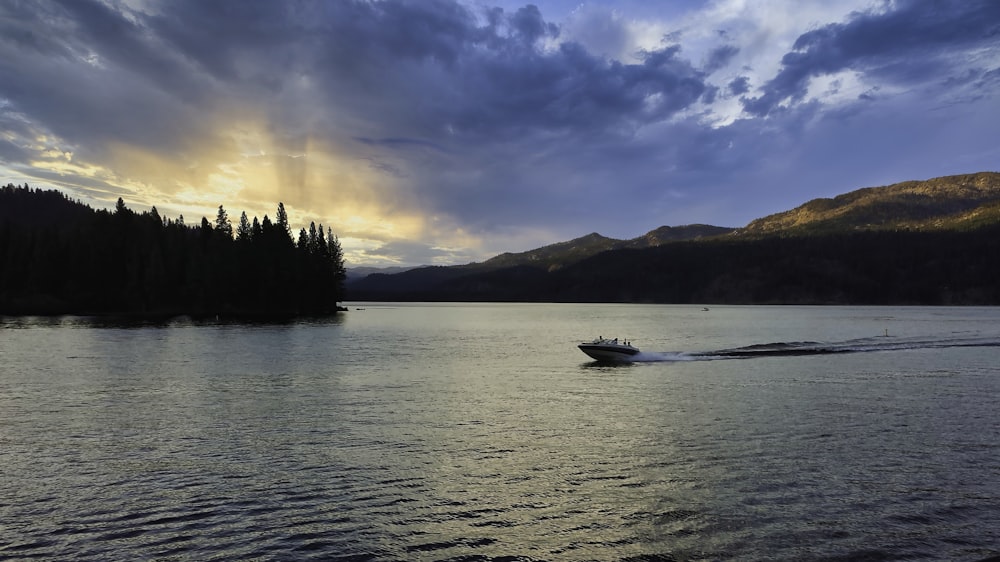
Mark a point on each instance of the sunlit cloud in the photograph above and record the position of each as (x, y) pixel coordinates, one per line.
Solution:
(430, 132)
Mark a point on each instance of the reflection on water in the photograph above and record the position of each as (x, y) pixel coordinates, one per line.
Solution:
(461, 432)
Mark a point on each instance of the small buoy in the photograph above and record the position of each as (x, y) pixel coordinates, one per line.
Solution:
(887, 332)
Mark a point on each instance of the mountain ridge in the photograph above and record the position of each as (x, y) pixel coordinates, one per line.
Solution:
(559, 254)
(942, 202)
(966, 199)
(960, 203)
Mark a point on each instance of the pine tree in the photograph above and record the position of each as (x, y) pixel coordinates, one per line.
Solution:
(244, 232)
(320, 242)
(255, 230)
(313, 238)
(336, 254)
(282, 221)
(222, 224)
(206, 230)
(303, 244)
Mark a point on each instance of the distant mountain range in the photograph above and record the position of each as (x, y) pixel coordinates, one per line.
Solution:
(555, 256)
(832, 246)
(547, 258)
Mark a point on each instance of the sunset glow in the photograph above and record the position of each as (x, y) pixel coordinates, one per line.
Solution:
(451, 131)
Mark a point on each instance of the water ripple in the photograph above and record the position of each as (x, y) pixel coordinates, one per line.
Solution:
(122, 445)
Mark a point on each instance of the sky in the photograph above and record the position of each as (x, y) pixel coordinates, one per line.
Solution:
(450, 131)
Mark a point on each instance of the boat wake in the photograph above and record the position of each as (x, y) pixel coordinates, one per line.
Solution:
(655, 357)
(779, 349)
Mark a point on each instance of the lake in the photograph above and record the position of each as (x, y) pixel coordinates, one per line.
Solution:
(480, 432)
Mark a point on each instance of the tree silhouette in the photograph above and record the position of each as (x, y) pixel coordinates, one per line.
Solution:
(222, 224)
(244, 232)
(59, 256)
(281, 220)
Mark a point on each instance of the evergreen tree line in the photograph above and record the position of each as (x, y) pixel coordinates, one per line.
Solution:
(58, 256)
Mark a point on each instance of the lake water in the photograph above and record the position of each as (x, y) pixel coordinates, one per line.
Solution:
(480, 432)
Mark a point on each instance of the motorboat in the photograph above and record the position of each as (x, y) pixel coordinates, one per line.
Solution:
(606, 350)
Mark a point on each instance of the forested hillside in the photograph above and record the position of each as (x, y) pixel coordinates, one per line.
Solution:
(60, 256)
(928, 242)
(864, 268)
(946, 203)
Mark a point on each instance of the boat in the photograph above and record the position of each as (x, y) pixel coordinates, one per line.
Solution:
(612, 351)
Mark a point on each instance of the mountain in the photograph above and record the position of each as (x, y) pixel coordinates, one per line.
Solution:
(951, 202)
(915, 242)
(555, 256)
(417, 281)
(666, 234)
(356, 273)
(547, 258)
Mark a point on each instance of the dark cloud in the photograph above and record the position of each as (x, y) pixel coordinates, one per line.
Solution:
(490, 122)
(429, 67)
(223, 39)
(720, 57)
(96, 28)
(906, 44)
(571, 90)
(530, 27)
(497, 80)
(710, 94)
(89, 75)
(739, 85)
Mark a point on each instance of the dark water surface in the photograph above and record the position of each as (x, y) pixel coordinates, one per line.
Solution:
(480, 432)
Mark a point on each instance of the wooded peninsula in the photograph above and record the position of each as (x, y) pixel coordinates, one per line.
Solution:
(59, 256)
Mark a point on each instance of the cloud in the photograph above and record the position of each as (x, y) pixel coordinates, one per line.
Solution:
(720, 57)
(444, 129)
(901, 46)
(739, 85)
